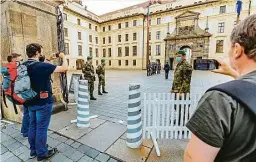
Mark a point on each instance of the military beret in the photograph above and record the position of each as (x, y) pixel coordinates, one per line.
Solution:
(102, 60)
(89, 57)
(181, 52)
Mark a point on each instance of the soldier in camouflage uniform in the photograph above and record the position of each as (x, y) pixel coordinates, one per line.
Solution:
(101, 74)
(88, 71)
(182, 74)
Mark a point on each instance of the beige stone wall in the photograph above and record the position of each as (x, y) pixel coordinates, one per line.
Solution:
(28, 22)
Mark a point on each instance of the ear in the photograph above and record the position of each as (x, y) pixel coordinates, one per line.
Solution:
(239, 50)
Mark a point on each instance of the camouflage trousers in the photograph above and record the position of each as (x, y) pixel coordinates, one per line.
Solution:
(91, 87)
(101, 82)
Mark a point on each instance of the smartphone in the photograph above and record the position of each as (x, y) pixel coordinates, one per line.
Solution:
(213, 64)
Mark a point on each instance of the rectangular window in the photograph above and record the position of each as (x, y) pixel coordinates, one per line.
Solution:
(158, 52)
(90, 38)
(221, 27)
(79, 36)
(126, 24)
(134, 62)
(78, 22)
(96, 40)
(119, 62)
(126, 63)
(109, 52)
(222, 9)
(126, 37)
(158, 35)
(134, 36)
(104, 29)
(119, 26)
(109, 39)
(65, 17)
(97, 62)
(90, 51)
(96, 52)
(66, 32)
(80, 52)
(149, 36)
(67, 48)
(134, 22)
(219, 46)
(134, 50)
(104, 52)
(96, 28)
(119, 51)
(109, 27)
(149, 50)
(158, 21)
(104, 40)
(126, 51)
(90, 26)
(109, 62)
(149, 22)
(119, 38)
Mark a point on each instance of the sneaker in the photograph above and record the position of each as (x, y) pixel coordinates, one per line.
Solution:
(49, 154)
(32, 155)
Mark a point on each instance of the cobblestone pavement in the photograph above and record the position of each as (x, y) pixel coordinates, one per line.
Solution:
(113, 106)
(15, 148)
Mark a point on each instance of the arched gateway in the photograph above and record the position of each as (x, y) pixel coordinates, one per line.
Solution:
(189, 37)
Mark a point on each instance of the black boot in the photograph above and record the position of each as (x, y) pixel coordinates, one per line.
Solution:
(93, 98)
(49, 154)
(99, 93)
(104, 91)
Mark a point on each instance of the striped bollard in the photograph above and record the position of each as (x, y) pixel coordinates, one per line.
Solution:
(83, 105)
(134, 123)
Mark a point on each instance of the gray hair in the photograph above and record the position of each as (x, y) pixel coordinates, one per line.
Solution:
(245, 34)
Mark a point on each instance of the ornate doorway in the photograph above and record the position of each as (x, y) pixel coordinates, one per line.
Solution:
(188, 36)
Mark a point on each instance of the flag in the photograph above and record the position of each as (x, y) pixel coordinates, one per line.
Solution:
(239, 7)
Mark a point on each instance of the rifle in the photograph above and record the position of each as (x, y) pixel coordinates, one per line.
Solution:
(61, 48)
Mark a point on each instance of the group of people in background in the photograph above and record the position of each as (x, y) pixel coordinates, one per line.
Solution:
(153, 68)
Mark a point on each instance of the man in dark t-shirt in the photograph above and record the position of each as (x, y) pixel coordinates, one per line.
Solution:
(223, 130)
(40, 108)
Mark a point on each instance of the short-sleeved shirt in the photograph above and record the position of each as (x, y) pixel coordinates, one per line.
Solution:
(222, 122)
(40, 77)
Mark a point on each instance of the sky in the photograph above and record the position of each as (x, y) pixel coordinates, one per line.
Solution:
(100, 7)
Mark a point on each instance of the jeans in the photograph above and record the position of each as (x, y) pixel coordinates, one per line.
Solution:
(25, 122)
(39, 122)
(166, 74)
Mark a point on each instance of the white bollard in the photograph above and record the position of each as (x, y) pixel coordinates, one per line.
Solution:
(83, 105)
(134, 123)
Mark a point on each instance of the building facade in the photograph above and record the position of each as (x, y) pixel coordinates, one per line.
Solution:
(202, 28)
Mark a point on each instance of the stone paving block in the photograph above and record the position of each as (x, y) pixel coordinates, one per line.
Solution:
(25, 155)
(76, 145)
(95, 160)
(84, 148)
(68, 160)
(49, 132)
(85, 159)
(13, 159)
(106, 139)
(14, 146)
(3, 149)
(102, 157)
(16, 134)
(58, 158)
(54, 135)
(112, 160)
(6, 156)
(63, 147)
(62, 139)
(124, 136)
(96, 122)
(76, 156)
(69, 141)
(92, 153)
(9, 142)
(4, 137)
(52, 142)
(122, 152)
(72, 131)
(147, 143)
(69, 152)
(20, 150)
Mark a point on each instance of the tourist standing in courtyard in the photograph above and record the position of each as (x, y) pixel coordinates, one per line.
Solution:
(224, 129)
(101, 75)
(88, 71)
(166, 69)
(182, 74)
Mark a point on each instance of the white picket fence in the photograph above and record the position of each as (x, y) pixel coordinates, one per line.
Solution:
(165, 116)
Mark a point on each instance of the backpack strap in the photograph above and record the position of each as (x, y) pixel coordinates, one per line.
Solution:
(4, 98)
(242, 91)
(12, 90)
